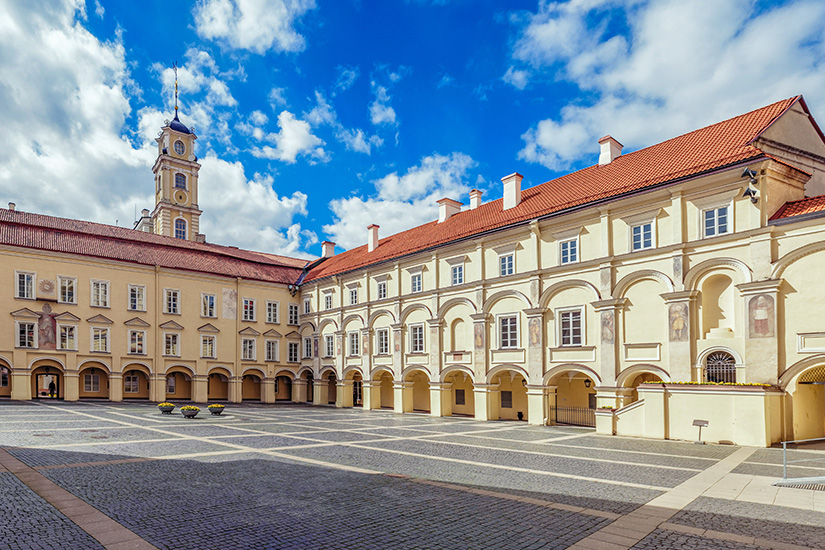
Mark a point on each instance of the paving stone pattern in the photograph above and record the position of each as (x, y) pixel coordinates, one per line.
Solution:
(662, 538)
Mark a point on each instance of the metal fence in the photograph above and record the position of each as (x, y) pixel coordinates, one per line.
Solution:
(573, 416)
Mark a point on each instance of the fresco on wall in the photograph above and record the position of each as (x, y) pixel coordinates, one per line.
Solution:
(46, 289)
(608, 327)
(46, 328)
(397, 341)
(535, 332)
(678, 322)
(479, 335)
(761, 317)
(230, 303)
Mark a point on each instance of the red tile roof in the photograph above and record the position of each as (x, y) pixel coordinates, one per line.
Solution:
(800, 207)
(716, 146)
(27, 230)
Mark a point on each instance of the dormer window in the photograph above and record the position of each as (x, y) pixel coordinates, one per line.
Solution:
(180, 181)
(180, 148)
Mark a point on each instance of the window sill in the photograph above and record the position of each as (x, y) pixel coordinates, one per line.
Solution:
(62, 349)
(100, 307)
(101, 352)
(136, 310)
(170, 313)
(136, 353)
(67, 303)
(32, 299)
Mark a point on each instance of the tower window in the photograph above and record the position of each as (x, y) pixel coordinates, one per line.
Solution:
(180, 228)
(180, 148)
(180, 181)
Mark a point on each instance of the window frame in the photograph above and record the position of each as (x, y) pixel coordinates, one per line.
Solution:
(249, 310)
(327, 301)
(273, 312)
(293, 351)
(172, 338)
(32, 284)
(507, 264)
(329, 345)
(715, 209)
(307, 305)
(213, 307)
(168, 293)
(641, 226)
(91, 380)
(140, 343)
(272, 350)
(574, 241)
(131, 383)
(353, 344)
(381, 290)
(249, 350)
(353, 296)
(95, 296)
(59, 331)
(131, 289)
(177, 179)
(382, 347)
(307, 347)
(416, 282)
(458, 270)
(417, 345)
(213, 343)
(18, 341)
(60, 280)
(293, 315)
(106, 333)
(560, 315)
(181, 233)
(513, 337)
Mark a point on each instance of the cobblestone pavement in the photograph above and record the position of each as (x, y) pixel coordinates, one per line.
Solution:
(288, 476)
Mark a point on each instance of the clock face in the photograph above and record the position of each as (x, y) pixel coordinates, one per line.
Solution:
(180, 148)
(180, 196)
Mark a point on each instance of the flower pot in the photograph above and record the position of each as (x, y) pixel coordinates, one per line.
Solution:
(189, 414)
(166, 410)
(216, 412)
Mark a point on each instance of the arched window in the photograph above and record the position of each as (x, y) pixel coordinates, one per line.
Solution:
(180, 181)
(180, 228)
(720, 366)
(4, 377)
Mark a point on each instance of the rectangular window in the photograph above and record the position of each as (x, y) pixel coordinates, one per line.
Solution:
(506, 264)
(208, 347)
(67, 293)
(642, 236)
(307, 348)
(170, 344)
(100, 339)
(137, 342)
(293, 314)
(137, 298)
(382, 290)
(248, 349)
(569, 251)
(329, 345)
(25, 335)
(130, 384)
(415, 283)
(171, 301)
(25, 285)
(4, 377)
(292, 352)
(506, 399)
(571, 327)
(248, 309)
(417, 339)
(170, 383)
(459, 397)
(271, 350)
(272, 312)
(208, 305)
(457, 274)
(508, 331)
(307, 306)
(716, 221)
(353, 296)
(100, 294)
(354, 344)
(328, 301)
(382, 337)
(91, 383)
(67, 337)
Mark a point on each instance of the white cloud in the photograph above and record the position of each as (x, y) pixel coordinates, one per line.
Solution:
(276, 98)
(322, 113)
(380, 110)
(516, 78)
(445, 80)
(99, 10)
(354, 139)
(677, 67)
(400, 202)
(295, 138)
(254, 25)
(346, 77)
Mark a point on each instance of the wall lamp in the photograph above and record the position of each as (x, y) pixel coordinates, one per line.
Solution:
(587, 383)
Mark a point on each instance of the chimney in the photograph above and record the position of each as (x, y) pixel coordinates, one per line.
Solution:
(610, 149)
(446, 209)
(12, 206)
(512, 190)
(373, 237)
(327, 249)
(144, 213)
(475, 199)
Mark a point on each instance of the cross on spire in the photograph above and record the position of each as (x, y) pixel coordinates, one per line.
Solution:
(175, 68)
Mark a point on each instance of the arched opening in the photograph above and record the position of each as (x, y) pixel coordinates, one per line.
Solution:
(383, 394)
(718, 298)
(310, 384)
(332, 388)
(217, 386)
(179, 385)
(417, 392)
(47, 382)
(180, 228)
(636, 381)
(357, 390)
(720, 366)
(574, 402)
(510, 403)
(808, 404)
(462, 399)
(283, 388)
(135, 384)
(5, 380)
(251, 387)
(94, 382)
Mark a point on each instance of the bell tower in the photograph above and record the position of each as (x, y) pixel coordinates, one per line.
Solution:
(176, 212)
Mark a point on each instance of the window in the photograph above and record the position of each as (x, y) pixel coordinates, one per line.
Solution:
(130, 383)
(570, 323)
(25, 285)
(100, 293)
(307, 305)
(307, 348)
(328, 301)
(457, 274)
(180, 181)
(67, 337)
(508, 331)
(180, 148)
(569, 251)
(293, 314)
(354, 344)
(720, 366)
(180, 228)
(137, 298)
(415, 282)
(459, 397)
(25, 335)
(506, 399)
(100, 339)
(4, 377)
(66, 287)
(272, 312)
(329, 345)
(248, 309)
(91, 383)
(715, 221)
(417, 339)
(292, 352)
(207, 347)
(642, 236)
(382, 337)
(171, 301)
(170, 383)
(506, 264)
(271, 350)
(137, 342)
(208, 305)
(353, 296)
(248, 349)
(170, 344)
(382, 290)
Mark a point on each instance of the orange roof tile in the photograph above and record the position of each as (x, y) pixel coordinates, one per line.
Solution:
(37, 231)
(713, 147)
(810, 205)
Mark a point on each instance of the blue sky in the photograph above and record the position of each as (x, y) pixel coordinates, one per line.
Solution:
(317, 118)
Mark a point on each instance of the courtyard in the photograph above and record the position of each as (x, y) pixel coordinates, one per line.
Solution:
(123, 476)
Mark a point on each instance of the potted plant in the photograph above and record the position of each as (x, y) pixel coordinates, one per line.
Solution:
(216, 409)
(190, 411)
(166, 408)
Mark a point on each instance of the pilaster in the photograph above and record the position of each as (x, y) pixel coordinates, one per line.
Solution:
(479, 347)
(609, 317)
(764, 362)
(199, 389)
(682, 327)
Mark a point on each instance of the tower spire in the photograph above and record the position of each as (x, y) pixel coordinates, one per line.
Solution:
(175, 68)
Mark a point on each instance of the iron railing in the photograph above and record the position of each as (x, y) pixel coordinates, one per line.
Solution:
(785, 460)
(573, 416)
